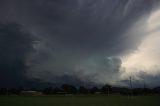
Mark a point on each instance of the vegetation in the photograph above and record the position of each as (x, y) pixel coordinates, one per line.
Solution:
(70, 89)
(69, 95)
(87, 100)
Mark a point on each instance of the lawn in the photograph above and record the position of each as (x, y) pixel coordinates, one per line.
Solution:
(79, 101)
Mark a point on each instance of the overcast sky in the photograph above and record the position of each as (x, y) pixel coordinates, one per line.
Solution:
(79, 42)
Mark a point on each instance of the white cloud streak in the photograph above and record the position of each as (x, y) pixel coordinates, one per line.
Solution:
(147, 57)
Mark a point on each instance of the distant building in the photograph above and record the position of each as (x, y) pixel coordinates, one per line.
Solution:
(97, 93)
(32, 93)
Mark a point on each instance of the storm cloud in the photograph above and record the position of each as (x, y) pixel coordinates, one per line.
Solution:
(69, 41)
(15, 44)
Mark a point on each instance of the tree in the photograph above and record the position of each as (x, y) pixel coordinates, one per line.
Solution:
(83, 90)
(3, 91)
(48, 91)
(56, 90)
(69, 88)
(94, 90)
(106, 89)
(13, 91)
(131, 87)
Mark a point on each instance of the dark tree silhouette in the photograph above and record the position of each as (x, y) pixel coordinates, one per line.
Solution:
(156, 90)
(106, 89)
(83, 90)
(48, 91)
(69, 89)
(13, 91)
(94, 90)
(3, 91)
(57, 90)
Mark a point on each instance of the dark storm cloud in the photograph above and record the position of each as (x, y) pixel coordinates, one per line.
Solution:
(85, 25)
(15, 44)
(76, 38)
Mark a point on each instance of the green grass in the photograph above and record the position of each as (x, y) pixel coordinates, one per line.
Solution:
(79, 101)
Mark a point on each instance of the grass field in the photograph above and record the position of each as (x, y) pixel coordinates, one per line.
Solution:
(79, 101)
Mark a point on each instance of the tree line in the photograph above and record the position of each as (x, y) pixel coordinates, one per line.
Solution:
(70, 89)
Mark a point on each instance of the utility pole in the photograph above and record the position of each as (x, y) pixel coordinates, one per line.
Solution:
(131, 87)
(144, 84)
(144, 87)
(108, 90)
